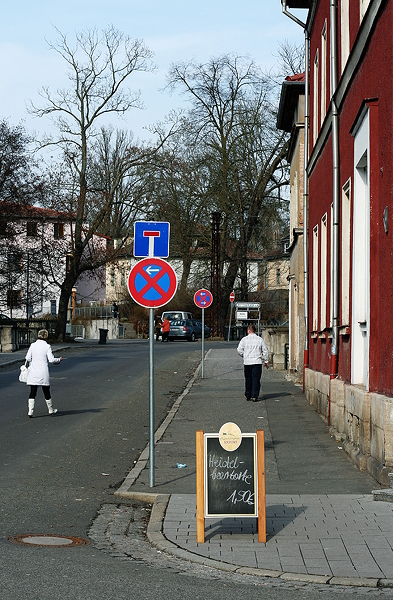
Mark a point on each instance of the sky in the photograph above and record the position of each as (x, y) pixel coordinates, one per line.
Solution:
(173, 30)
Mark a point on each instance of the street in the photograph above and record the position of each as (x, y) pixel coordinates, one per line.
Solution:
(57, 472)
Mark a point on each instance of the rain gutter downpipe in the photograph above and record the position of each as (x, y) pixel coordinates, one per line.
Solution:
(305, 181)
(336, 194)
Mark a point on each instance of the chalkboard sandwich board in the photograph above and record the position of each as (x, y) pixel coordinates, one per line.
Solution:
(231, 485)
(230, 470)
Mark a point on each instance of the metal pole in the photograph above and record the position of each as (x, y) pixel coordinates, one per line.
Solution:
(230, 321)
(203, 340)
(151, 397)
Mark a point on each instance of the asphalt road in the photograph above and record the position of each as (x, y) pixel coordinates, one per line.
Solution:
(57, 471)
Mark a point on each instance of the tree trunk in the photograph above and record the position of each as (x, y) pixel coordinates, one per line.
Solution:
(62, 314)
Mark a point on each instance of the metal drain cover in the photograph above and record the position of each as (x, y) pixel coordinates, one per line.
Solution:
(47, 540)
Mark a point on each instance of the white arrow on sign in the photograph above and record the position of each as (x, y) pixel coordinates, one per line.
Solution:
(150, 269)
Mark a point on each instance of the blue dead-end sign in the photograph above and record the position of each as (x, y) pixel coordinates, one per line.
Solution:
(151, 238)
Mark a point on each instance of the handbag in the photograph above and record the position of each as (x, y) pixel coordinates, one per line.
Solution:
(24, 371)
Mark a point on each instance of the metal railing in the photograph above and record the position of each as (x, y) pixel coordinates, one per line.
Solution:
(105, 312)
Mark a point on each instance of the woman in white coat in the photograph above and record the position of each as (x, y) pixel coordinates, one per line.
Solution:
(39, 355)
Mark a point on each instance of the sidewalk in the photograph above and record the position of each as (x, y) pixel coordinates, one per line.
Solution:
(323, 525)
(12, 358)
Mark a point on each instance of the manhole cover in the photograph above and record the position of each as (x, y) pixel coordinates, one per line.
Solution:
(47, 540)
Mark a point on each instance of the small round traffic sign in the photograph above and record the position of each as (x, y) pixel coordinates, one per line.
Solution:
(152, 282)
(203, 298)
(232, 296)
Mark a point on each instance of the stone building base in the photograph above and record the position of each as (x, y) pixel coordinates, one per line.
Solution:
(362, 421)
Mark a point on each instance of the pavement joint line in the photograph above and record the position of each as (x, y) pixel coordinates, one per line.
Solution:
(133, 475)
(157, 539)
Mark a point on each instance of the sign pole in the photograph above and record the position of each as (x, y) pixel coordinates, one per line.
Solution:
(230, 321)
(151, 397)
(203, 299)
(152, 283)
(231, 299)
(203, 340)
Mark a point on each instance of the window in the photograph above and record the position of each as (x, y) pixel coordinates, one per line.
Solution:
(316, 104)
(31, 229)
(58, 231)
(112, 276)
(53, 308)
(345, 251)
(14, 262)
(323, 271)
(345, 41)
(278, 277)
(3, 227)
(68, 263)
(323, 73)
(14, 298)
(123, 276)
(315, 278)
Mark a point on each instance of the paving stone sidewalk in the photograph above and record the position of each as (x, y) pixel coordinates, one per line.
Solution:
(322, 522)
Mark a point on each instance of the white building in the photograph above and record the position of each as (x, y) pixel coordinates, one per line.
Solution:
(35, 247)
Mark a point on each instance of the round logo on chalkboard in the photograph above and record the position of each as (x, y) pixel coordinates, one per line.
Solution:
(230, 436)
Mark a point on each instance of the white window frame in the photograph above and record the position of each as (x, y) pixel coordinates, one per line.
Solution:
(331, 265)
(323, 263)
(323, 71)
(316, 96)
(315, 274)
(345, 251)
(345, 39)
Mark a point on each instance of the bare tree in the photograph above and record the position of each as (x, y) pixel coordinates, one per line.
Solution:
(99, 66)
(232, 117)
(176, 185)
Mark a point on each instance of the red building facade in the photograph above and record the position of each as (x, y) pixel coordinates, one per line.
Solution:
(350, 227)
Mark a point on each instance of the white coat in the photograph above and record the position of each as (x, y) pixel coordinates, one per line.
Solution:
(253, 348)
(39, 355)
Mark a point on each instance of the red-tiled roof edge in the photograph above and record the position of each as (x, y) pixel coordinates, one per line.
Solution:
(28, 210)
(297, 77)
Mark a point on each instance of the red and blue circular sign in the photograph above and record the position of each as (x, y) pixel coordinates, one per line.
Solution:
(152, 282)
(203, 298)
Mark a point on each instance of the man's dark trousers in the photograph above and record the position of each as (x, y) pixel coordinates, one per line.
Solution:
(252, 374)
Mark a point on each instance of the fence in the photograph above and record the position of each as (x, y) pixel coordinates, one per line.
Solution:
(103, 312)
(75, 331)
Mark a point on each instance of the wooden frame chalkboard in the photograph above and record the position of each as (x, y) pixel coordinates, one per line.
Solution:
(231, 484)
(206, 493)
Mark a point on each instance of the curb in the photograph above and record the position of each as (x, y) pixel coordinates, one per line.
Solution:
(133, 475)
(159, 541)
(160, 503)
(14, 361)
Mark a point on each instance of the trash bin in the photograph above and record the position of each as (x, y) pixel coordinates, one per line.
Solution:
(103, 334)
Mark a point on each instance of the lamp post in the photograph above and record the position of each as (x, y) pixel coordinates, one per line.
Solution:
(73, 301)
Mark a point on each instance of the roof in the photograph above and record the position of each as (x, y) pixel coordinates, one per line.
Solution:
(291, 89)
(27, 211)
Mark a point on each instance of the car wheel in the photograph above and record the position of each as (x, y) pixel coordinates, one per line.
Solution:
(192, 337)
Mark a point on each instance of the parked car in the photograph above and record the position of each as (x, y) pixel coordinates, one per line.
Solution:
(187, 329)
(176, 315)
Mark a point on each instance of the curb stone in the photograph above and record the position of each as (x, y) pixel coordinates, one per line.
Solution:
(157, 539)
